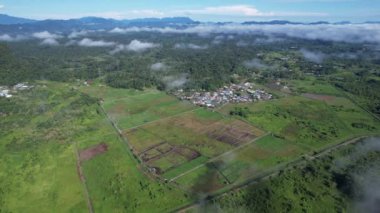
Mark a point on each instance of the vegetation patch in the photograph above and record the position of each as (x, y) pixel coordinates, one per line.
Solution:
(169, 143)
(311, 123)
(319, 97)
(89, 153)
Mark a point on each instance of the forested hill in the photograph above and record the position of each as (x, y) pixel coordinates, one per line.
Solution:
(8, 20)
(9, 24)
(10, 67)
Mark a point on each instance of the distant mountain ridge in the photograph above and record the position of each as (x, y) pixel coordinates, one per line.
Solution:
(8, 20)
(10, 24)
(283, 22)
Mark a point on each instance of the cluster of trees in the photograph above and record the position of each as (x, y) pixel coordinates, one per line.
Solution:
(241, 111)
(365, 86)
(206, 64)
(322, 185)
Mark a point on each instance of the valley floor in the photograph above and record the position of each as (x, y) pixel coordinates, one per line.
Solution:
(70, 147)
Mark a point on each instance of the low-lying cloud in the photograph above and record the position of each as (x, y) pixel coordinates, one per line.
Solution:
(313, 56)
(86, 42)
(50, 42)
(77, 34)
(8, 38)
(139, 46)
(190, 46)
(242, 43)
(134, 46)
(366, 182)
(46, 35)
(353, 33)
(48, 39)
(255, 63)
(158, 66)
(177, 81)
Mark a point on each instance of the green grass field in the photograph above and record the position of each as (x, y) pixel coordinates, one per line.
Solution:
(247, 162)
(38, 166)
(311, 85)
(312, 123)
(44, 129)
(37, 154)
(131, 108)
(116, 183)
(265, 153)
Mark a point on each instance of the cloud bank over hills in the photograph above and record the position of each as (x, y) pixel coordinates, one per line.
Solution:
(353, 33)
(79, 32)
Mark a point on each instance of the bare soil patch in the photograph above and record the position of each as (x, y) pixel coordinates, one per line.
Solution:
(156, 151)
(319, 97)
(235, 133)
(188, 153)
(89, 153)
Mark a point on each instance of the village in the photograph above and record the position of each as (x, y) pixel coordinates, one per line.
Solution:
(234, 93)
(8, 92)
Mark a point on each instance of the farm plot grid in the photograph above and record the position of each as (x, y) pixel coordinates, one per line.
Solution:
(172, 146)
(239, 165)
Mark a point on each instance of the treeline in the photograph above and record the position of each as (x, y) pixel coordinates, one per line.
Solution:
(209, 64)
(365, 86)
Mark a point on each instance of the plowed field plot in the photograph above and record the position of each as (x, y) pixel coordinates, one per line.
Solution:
(185, 141)
(164, 156)
(89, 153)
(319, 97)
(233, 132)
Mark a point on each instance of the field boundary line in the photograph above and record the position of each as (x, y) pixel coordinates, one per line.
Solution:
(83, 180)
(162, 119)
(219, 156)
(357, 104)
(130, 97)
(275, 171)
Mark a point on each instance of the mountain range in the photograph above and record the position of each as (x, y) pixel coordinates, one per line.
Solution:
(10, 24)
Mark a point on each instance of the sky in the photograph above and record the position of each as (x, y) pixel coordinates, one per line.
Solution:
(204, 10)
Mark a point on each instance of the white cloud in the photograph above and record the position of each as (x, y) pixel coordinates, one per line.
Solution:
(50, 42)
(146, 13)
(76, 34)
(190, 46)
(313, 56)
(135, 46)
(119, 30)
(86, 42)
(355, 33)
(243, 11)
(158, 66)
(254, 63)
(46, 35)
(138, 46)
(232, 10)
(8, 38)
(175, 81)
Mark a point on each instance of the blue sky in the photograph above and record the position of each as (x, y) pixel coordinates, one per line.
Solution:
(204, 10)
